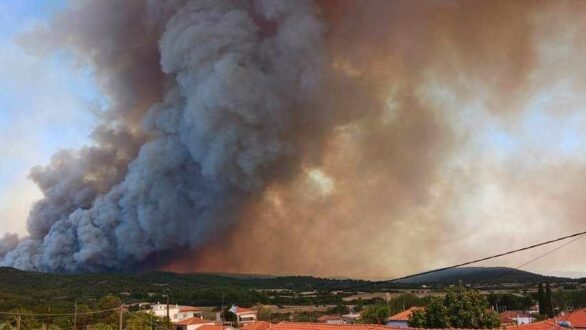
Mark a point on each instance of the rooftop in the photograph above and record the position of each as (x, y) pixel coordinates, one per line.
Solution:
(577, 318)
(211, 327)
(241, 310)
(510, 316)
(193, 320)
(404, 315)
(324, 326)
(261, 325)
(188, 309)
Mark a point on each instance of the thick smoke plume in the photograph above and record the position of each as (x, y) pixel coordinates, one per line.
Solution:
(303, 137)
(216, 85)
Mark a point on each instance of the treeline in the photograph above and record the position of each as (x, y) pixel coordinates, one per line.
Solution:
(102, 314)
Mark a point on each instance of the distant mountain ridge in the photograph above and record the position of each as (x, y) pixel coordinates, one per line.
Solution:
(482, 275)
(21, 288)
(468, 275)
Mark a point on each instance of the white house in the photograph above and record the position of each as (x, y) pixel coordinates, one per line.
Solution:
(176, 312)
(515, 317)
(244, 315)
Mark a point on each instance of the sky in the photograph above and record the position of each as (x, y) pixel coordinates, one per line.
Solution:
(44, 102)
(463, 160)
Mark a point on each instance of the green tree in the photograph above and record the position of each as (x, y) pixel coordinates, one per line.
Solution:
(109, 318)
(141, 321)
(83, 319)
(375, 314)
(228, 316)
(548, 301)
(263, 313)
(339, 309)
(460, 308)
(541, 299)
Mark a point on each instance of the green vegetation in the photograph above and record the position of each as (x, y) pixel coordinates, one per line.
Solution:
(460, 308)
(541, 299)
(509, 301)
(30, 292)
(381, 310)
(375, 314)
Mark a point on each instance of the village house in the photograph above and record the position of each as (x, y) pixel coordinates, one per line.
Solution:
(331, 319)
(575, 319)
(515, 317)
(351, 317)
(176, 312)
(401, 320)
(244, 315)
(193, 323)
(570, 320)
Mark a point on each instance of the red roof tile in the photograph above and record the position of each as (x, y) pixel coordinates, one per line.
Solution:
(576, 319)
(510, 316)
(241, 310)
(325, 326)
(542, 325)
(211, 327)
(188, 309)
(261, 325)
(193, 320)
(404, 315)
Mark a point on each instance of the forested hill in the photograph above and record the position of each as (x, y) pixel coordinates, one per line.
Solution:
(482, 275)
(30, 288)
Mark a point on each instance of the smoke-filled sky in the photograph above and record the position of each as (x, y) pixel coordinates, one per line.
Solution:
(337, 138)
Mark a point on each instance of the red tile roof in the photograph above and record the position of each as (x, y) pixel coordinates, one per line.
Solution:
(542, 325)
(193, 320)
(404, 315)
(261, 325)
(211, 327)
(325, 326)
(188, 309)
(576, 319)
(510, 316)
(242, 310)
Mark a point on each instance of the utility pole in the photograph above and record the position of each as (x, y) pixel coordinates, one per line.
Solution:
(121, 315)
(75, 316)
(222, 311)
(168, 318)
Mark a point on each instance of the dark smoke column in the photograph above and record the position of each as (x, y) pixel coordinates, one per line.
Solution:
(233, 78)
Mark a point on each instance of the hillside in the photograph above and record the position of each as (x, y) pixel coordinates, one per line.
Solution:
(18, 288)
(481, 275)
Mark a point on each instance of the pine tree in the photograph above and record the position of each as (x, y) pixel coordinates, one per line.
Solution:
(541, 299)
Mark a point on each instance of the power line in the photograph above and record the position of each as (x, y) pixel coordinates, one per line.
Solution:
(64, 314)
(534, 259)
(577, 235)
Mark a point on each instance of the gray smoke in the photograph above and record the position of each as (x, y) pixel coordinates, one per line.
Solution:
(203, 95)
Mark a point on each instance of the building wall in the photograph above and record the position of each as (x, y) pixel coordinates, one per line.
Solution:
(398, 324)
